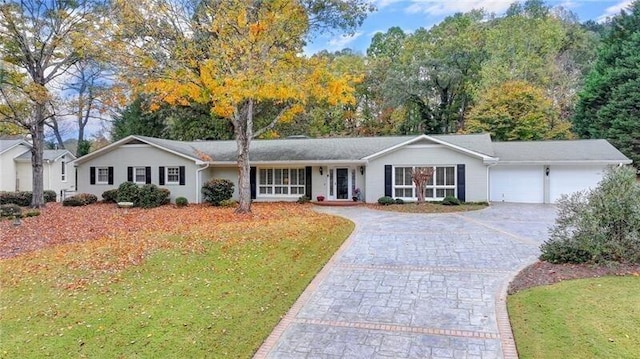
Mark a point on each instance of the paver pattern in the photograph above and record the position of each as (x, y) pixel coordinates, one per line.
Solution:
(415, 286)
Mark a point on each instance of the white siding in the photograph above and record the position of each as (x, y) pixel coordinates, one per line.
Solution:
(8, 168)
(475, 170)
(133, 156)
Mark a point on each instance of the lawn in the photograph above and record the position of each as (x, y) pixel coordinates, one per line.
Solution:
(428, 207)
(585, 318)
(167, 282)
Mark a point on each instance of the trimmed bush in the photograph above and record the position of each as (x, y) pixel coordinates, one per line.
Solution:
(303, 199)
(31, 213)
(386, 200)
(451, 201)
(128, 192)
(182, 202)
(50, 196)
(81, 199)
(598, 226)
(110, 196)
(22, 198)
(228, 203)
(217, 190)
(151, 196)
(398, 201)
(10, 210)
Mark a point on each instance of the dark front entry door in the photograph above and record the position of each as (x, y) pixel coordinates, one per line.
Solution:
(342, 183)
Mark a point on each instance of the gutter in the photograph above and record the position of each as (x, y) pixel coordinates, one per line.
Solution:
(198, 171)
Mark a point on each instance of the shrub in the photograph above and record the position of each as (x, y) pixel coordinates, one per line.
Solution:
(128, 192)
(217, 190)
(598, 226)
(182, 202)
(228, 203)
(385, 201)
(303, 199)
(22, 198)
(110, 196)
(31, 213)
(151, 196)
(451, 201)
(398, 201)
(50, 196)
(10, 210)
(81, 199)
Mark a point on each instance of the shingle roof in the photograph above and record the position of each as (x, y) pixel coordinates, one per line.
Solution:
(559, 151)
(6, 144)
(312, 149)
(48, 155)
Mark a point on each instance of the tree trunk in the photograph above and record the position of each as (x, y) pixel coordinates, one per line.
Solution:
(37, 154)
(243, 128)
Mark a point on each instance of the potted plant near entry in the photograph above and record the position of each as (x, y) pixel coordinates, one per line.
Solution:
(356, 195)
(320, 198)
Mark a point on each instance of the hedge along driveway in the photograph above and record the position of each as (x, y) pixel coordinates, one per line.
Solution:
(166, 282)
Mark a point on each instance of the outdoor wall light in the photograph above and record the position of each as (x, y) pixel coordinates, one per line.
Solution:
(362, 170)
(546, 171)
(320, 170)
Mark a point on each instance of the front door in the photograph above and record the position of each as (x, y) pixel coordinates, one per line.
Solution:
(342, 183)
(338, 183)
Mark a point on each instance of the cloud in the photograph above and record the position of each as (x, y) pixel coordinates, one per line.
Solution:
(614, 10)
(446, 7)
(342, 41)
(380, 4)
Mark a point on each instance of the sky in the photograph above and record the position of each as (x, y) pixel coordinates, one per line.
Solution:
(410, 15)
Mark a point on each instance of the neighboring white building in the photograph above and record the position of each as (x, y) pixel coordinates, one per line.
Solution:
(16, 171)
(469, 167)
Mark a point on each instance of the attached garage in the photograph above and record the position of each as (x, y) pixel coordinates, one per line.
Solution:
(569, 179)
(522, 184)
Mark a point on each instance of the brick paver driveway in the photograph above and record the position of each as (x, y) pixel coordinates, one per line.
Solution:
(415, 286)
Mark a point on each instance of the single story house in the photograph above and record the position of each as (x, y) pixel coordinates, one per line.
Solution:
(16, 172)
(469, 167)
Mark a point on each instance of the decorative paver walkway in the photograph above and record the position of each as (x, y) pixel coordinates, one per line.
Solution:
(415, 286)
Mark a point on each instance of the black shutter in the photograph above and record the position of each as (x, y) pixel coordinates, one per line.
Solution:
(161, 175)
(130, 174)
(252, 182)
(110, 175)
(460, 182)
(147, 175)
(388, 185)
(307, 183)
(182, 175)
(92, 175)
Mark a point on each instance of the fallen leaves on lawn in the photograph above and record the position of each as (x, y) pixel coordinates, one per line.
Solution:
(77, 246)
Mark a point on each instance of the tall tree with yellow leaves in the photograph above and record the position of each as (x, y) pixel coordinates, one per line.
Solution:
(233, 55)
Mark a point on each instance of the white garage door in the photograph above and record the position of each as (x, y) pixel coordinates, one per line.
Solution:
(523, 184)
(569, 179)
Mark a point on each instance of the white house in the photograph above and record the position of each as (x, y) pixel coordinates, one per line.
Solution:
(470, 167)
(16, 171)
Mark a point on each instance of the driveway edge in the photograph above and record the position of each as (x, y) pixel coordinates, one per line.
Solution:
(271, 341)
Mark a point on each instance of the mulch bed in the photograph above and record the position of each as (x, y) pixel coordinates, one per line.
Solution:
(544, 273)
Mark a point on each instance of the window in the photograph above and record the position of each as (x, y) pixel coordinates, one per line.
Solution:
(102, 175)
(173, 175)
(281, 181)
(440, 185)
(63, 170)
(139, 175)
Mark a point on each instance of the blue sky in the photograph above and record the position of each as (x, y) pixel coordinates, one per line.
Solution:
(413, 14)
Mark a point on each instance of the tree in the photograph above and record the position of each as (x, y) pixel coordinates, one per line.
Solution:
(420, 177)
(40, 40)
(234, 56)
(517, 111)
(608, 105)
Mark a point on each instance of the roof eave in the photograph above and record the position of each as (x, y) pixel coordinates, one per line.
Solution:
(567, 162)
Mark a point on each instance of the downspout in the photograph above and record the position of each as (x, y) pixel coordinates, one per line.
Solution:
(198, 193)
(489, 181)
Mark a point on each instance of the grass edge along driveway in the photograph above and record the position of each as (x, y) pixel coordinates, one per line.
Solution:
(584, 318)
(213, 292)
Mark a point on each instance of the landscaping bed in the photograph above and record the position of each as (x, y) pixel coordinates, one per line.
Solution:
(427, 207)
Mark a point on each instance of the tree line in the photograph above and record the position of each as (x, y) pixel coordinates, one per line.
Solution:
(209, 69)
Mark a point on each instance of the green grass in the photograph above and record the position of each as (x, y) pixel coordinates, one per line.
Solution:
(586, 318)
(194, 298)
(428, 207)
